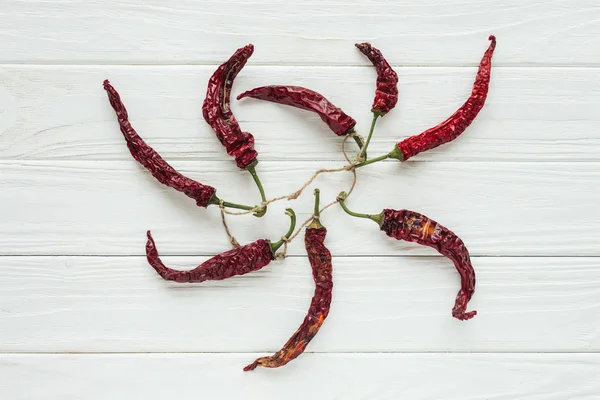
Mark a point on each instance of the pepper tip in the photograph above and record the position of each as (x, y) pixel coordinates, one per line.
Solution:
(492, 38)
(362, 46)
(251, 367)
(464, 316)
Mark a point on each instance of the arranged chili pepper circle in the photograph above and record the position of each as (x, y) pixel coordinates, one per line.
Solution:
(400, 224)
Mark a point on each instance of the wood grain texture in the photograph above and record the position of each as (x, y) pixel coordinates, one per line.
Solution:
(380, 304)
(541, 114)
(106, 207)
(83, 316)
(322, 376)
(431, 32)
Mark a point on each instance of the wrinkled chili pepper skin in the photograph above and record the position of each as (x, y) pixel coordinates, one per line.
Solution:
(386, 94)
(296, 96)
(320, 261)
(216, 109)
(414, 227)
(238, 261)
(151, 160)
(458, 122)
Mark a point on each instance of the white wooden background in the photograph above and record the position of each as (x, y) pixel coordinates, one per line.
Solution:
(82, 315)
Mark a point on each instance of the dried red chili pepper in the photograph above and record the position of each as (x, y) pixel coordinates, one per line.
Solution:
(152, 161)
(320, 261)
(158, 167)
(306, 99)
(238, 261)
(386, 94)
(216, 109)
(414, 227)
(458, 122)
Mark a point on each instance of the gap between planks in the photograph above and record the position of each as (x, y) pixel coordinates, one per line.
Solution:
(416, 352)
(295, 256)
(45, 63)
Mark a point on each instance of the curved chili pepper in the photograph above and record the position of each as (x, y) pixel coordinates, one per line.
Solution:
(414, 227)
(152, 161)
(386, 94)
(300, 97)
(217, 113)
(238, 261)
(320, 261)
(458, 122)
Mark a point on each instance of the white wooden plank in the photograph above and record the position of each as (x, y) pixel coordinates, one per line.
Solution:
(62, 112)
(105, 208)
(119, 304)
(189, 31)
(323, 376)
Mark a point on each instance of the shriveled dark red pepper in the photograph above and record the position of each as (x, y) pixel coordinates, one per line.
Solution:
(216, 109)
(458, 122)
(306, 99)
(152, 161)
(320, 261)
(414, 227)
(386, 94)
(237, 261)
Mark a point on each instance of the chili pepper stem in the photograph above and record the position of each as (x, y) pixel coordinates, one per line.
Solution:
(396, 153)
(378, 218)
(217, 201)
(359, 142)
(275, 246)
(373, 160)
(363, 152)
(316, 224)
(252, 169)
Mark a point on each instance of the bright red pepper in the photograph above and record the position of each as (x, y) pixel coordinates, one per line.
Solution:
(458, 122)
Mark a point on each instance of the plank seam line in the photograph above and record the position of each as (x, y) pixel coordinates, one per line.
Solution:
(45, 63)
(50, 353)
(297, 255)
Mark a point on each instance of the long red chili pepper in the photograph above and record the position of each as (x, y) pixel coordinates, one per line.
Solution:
(458, 122)
(152, 161)
(320, 261)
(306, 99)
(238, 261)
(414, 227)
(386, 94)
(216, 109)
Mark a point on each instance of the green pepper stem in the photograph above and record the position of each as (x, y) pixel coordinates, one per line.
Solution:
(316, 224)
(275, 246)
(252, 169)
(372, 160)
(363, 152)
(378, 218)
(238, 206)
(217, 201)
(358, 142)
